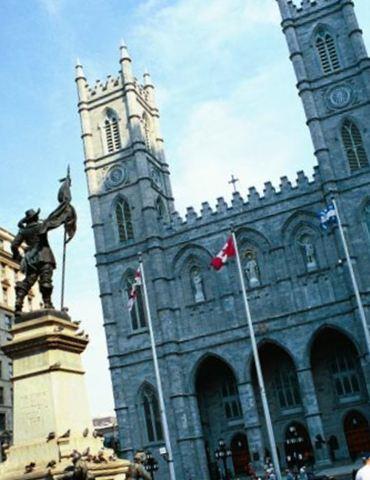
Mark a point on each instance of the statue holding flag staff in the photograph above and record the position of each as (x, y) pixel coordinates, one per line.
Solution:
(38, 262)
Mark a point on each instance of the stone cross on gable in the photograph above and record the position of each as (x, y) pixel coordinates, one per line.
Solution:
(233, 182)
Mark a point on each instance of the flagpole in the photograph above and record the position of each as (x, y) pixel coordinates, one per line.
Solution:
(158, 376)
(68, 177)
(353, 279)
(63, 269)
(261, 384)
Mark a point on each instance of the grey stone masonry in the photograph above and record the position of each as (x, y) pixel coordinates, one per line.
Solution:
(311, 341)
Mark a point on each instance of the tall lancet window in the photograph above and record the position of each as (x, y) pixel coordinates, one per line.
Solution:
(124, 221)
(111, 129)
(354, 146)
(151, 414)
(327, 51)
(138, 319)
(147, 130)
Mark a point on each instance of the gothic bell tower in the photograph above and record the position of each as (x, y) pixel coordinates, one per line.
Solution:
(127, 174)
(333, 74)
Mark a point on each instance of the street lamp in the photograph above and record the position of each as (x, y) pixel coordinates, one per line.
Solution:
(151, 464)
(222, 453)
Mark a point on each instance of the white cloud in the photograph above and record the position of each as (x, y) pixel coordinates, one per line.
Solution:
(52, 7)
(190, 26)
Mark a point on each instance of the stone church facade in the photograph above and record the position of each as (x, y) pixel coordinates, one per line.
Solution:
(309, 333)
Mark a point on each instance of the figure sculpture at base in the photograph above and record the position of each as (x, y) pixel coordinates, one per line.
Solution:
(78, 470)
(137, 469)
(38, 261)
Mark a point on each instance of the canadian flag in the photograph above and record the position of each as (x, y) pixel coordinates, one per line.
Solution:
(134, 290)
(228, 250)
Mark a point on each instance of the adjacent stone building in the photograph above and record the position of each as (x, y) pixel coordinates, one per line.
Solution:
(9, 272)
(310, 337)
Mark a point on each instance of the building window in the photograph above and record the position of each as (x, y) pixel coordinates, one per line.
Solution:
(5, 296)
(231, 401)
(345, 374)
(8, 322)
(1, 370)
(112, 134)
(353, 144)
(2, 398)
(1, 244)
(286, 387)
(327, 52)
(2, 422)
(124, 221)
(161, 209)
(151, 415)
(147, 130)
(138, 319)
(367, 217)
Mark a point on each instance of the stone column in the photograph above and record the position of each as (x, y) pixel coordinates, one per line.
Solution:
(190, 437)
(313, 414)
(252, 423)
(365, 366)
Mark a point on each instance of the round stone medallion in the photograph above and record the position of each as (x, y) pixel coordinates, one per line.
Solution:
(115, 177)
(341, 96)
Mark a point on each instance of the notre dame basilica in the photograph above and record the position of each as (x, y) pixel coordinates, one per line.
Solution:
(311, 342)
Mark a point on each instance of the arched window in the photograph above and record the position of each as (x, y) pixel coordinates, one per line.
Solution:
(327, 52)
(147, 130)
(138, 319)
(124, 221)
(151, 415)
(231, 400)
(161, 209)
(111, 128)
(343, 366)
(354, 146)
(367, 217)
(286, 386)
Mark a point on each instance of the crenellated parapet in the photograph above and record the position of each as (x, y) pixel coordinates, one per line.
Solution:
(286, 191)
(115, 84)
(297, 8)
(111, 84)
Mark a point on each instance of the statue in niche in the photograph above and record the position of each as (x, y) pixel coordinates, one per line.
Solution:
(252, 270)
(308, 251)
(197, 285)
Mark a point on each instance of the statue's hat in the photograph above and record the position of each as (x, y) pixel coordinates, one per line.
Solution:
(30, 215)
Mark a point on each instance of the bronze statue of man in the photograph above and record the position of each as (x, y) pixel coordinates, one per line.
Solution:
(38, 261)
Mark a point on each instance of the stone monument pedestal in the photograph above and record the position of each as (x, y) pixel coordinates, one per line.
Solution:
(52, 422)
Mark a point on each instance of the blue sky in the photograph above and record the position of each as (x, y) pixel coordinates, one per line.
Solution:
(227, 97)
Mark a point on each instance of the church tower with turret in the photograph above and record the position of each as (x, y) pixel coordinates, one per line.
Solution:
(123, 153)
(310, 338)
(333, 79)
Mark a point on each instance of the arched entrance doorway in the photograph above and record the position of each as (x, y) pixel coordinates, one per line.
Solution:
(240, 454)
(219, 407)
(283, 393)
(298, 447)
(339, 381)
(357, 432)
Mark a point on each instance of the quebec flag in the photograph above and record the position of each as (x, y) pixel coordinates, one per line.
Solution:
(328, 217)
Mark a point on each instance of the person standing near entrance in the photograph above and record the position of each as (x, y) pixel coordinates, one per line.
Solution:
(364, 472)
